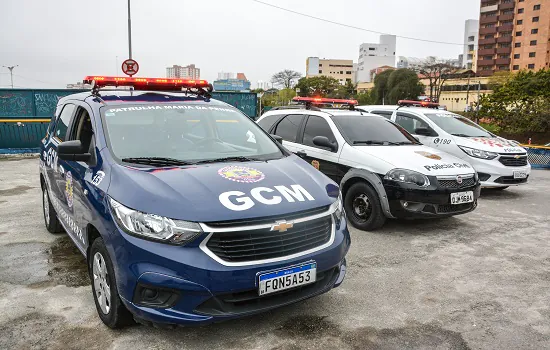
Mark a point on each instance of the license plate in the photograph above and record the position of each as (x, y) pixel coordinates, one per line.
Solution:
(520, 175)
(462, 197)
(287, 278)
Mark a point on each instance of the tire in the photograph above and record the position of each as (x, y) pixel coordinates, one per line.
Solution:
(50, 216)
(109, 307)
(373, 217)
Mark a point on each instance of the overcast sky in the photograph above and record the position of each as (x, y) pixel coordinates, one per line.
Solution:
(56, 42)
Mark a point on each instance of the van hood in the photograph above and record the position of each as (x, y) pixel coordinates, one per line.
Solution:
(223, 191)
(419, 158)
(490, 144)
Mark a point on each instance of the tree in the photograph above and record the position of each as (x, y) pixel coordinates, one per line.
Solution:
(521, 103)
(437, 71)
(380, 90)
(346, 91)
(317, 86)
(285, 78)
(403, 84)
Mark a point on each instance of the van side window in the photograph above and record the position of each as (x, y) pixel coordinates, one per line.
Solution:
(410, 122)
(288, 127)
(82, 128)
(63, 122)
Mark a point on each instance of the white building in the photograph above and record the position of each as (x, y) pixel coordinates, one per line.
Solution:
(410, 62)
(471, 36)
(187, 72)
(264, 85)
(341, 70)
(372, 56)
(225, 75)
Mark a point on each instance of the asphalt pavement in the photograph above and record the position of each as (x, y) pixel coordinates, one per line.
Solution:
(477, 281)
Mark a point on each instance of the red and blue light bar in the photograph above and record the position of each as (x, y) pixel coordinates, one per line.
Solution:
(99, 81)
(321, 100)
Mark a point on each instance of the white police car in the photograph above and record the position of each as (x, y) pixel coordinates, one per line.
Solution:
(499, 162)
(383, 171)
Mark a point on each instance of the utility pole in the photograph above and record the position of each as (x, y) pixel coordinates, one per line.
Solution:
(11, 72)
(468, 95)
(478, 95)
(129, 32)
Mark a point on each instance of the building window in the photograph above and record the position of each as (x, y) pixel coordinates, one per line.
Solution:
(470, 47)
(503, 68)
(516, 56)
(471, 38)
(519, 22)
(487, 57)
(534, 31)
(535, 19)
(504, 56)
(532, 54)
(372, 49)
(533, 43)
(489, 36)
(520, 10)
(536, 7)
(531, 66)
(488, 47)
(504, 45)
(516, 67)
(507, 12)
(519, 33)
(517, 45)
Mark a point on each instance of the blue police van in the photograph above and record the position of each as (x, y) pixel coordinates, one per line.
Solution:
(187, 212)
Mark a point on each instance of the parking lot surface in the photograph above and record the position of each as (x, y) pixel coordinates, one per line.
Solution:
(478, 281)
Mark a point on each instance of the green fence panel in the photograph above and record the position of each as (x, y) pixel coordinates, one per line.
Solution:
(46, 100)
(245, 101)
(22, 134)
(16, 103)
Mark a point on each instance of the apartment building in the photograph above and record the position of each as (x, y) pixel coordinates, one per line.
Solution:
(187, 72)
(341, 70)
(513, 35)
(374, 55)
(471, 38)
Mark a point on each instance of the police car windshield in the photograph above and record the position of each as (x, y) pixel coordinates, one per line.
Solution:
(457, 125)
(369, 130)
(157, 133)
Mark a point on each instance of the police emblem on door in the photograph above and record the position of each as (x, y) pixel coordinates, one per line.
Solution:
(315, 164)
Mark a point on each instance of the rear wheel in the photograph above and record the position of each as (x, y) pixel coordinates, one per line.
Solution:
(50, 217)
(110, 308)
(363, 207)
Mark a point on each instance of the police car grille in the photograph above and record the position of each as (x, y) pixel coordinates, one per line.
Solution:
(512, 161)
(263, 244)
(450, 208)
(454, 184)
(269, 219)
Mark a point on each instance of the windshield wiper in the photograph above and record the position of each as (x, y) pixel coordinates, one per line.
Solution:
(158, 161)
(377, 142)
(226, 159)
(462, 135)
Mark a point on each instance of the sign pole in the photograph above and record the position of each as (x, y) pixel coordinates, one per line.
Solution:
(129, 32)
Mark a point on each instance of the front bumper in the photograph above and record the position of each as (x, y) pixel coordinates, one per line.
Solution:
(205, 290)
(492, 173)
(407, 201)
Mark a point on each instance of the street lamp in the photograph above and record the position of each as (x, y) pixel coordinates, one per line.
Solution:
(11, 72)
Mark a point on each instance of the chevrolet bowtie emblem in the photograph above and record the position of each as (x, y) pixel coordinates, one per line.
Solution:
(517, 157)
(282, 226)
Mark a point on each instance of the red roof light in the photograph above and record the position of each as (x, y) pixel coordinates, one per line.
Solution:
(161, 84)
(325, 100)
(411, 103)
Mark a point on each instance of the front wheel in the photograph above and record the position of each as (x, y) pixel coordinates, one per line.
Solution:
(363, 207)
(110, 308)
(50, 217)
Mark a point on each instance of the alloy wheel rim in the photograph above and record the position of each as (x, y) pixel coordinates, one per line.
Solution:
(46, 206)
(101, 285)
(362, 207)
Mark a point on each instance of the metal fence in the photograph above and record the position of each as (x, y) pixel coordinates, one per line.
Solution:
(539, 156)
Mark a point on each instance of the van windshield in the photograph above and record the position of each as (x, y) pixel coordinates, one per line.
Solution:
(190, 133)
(457, 125)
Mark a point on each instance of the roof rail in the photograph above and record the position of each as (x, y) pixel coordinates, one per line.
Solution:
(301, 106)
(326, 101)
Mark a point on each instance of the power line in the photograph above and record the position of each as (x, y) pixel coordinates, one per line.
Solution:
(354, 27)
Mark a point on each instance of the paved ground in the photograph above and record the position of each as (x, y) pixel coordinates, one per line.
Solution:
(480, 281)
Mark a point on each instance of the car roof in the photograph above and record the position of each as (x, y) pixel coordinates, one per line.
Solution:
(405, 108)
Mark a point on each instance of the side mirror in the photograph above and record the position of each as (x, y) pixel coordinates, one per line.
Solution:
(72, 150)
(277, 138)
(323, 141)
(424, 132)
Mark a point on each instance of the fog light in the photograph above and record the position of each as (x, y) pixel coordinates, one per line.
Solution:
(155, 297)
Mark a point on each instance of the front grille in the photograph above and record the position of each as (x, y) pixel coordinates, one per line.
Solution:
(509, 180)
(249, 301)
(454, 184)
(450, 208)
(260, 244)
(269, 219)
(513, 161)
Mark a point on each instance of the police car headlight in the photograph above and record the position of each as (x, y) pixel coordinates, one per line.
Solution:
(154, 227)
(408, 176)
(477, 153)
(338, 208)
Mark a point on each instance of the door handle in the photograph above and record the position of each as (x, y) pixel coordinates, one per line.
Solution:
(301, 154)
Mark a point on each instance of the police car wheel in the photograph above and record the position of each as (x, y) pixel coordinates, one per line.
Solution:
(363, 207)
(109, 307)
(50, 217)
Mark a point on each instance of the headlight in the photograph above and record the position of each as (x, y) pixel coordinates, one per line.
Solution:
(338, 207)
(477, 153)
(154, 227)
(408, 176)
